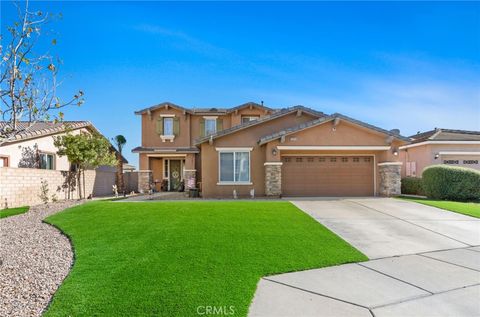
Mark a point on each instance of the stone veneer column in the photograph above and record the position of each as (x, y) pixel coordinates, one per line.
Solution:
(190, 179)
(145, 178)
(273, 178)
(390, 178)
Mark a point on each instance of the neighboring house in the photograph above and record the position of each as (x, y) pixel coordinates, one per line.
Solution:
(30, 157)
(33, 146)
(250, 148)
(440, 146)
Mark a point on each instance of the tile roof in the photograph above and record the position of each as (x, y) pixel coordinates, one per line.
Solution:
(27, 130)
(322, 120)
(440, 134)
(372, 127)
(248, 124)
(303, 126)
(211, 110)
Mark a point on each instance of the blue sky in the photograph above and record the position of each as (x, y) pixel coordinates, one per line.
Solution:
(411, 65)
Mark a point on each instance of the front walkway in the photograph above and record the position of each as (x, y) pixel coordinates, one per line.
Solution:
(426, 263)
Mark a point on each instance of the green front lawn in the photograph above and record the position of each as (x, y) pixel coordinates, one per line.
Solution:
(4, 213)
(466, 208)
(168, 258)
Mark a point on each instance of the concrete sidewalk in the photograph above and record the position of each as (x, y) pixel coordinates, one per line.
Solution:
(425, 262)
(441, 283)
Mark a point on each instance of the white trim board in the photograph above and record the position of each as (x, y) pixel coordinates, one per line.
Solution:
(437, 142)
(334, 147)
(458, 153)
(233, 149)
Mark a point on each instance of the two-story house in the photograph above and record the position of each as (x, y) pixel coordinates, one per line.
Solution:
(251, 148)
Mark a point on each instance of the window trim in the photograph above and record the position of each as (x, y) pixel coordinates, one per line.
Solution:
(163, 132)
(6, 160)
(54, 163)
(249, 117)
(235, 150)
(214, 119)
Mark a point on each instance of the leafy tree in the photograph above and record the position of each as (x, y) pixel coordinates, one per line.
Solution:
(120, 141)
(85, 150)
(28, 79)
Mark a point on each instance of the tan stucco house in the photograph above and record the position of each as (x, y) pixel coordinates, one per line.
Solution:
(253, 149)
(440, 146)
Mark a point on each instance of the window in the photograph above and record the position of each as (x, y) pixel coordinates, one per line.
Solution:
(210, 126)
(333, 159)
(46, 161)
(310, 159)
(286, 159)
(321, 159)
(3, 161)
(356, 159)
(298, 160)
(165, 168)
(344, 159)
(167, 126)
(235, 167)
(246, 119)
(367, 159)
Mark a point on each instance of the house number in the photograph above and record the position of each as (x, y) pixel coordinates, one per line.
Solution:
(450, 162)
(470, 161)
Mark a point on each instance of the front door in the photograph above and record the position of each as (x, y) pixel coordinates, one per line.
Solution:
(175, 174)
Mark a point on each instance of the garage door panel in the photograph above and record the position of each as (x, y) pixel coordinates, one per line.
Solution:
(327, 176)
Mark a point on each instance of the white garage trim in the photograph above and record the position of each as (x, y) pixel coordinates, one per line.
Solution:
(334, 147)
(272, 163)
(458, 153)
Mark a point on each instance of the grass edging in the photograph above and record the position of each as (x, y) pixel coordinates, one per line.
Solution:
(177, 248)
(471, 209)
(4, 213)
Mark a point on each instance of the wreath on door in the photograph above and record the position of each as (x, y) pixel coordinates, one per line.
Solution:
(175, 174)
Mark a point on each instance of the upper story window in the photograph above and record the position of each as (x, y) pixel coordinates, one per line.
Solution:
(167, 126)
(246, 119)
(46, 161)
(210, 126)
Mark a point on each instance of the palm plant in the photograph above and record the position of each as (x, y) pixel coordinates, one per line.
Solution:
(120, 141)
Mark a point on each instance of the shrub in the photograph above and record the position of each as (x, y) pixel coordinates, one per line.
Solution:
(412, 186)
(451, 183)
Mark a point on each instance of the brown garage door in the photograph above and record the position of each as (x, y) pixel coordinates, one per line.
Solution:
(327, 176)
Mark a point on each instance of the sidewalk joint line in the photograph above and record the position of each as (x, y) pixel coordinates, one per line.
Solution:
(315, 293)
(395, 278)
(459, 265)
(404, 220)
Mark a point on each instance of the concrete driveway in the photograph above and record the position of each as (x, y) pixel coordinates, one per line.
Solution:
(424, 262)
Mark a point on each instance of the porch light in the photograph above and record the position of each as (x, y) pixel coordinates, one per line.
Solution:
(274, 152)
(437, 156)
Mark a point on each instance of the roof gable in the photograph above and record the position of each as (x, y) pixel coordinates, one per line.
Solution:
(446, 135)
(322, 120)
(274, 115)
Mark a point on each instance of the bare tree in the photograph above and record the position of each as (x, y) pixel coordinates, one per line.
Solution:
(28, 80)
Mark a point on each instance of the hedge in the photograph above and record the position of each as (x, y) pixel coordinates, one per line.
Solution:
(451, 183)
(412, 186)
